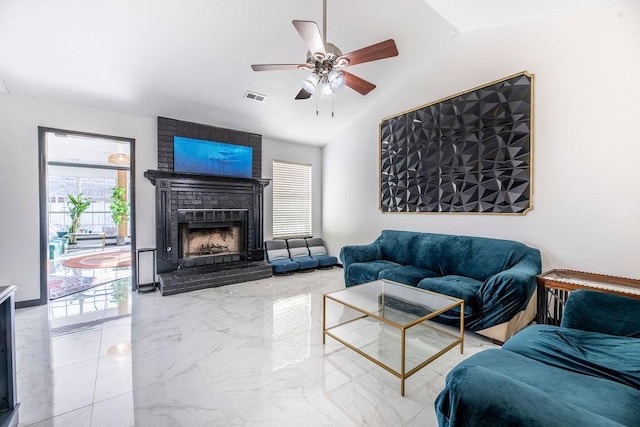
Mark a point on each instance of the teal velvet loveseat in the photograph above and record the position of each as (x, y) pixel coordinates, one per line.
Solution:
(585, 372)
(495, 278)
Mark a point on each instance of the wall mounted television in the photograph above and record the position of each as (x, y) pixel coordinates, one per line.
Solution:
(211, 157)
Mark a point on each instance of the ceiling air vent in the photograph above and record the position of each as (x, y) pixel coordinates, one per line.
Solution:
(255, 96)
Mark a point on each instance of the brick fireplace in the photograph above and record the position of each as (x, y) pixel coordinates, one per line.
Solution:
(208, 228)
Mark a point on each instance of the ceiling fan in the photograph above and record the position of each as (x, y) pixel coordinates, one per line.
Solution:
(327, 63)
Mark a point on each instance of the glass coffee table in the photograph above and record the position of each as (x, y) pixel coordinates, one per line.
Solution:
(388, 323)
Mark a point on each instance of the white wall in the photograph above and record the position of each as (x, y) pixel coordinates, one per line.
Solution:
(279, 150)
(586, 142)
(19, 215)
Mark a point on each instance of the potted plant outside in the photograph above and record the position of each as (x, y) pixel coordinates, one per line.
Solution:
(76, 205)
(120, 213)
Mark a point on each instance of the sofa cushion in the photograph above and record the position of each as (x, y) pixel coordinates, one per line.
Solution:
(317, 250)
(502, 388)
(591, 353)
(407, 274)
(284, 265)
(398, 246)
(475, 257)
(363, 272)
(305, 262)
(316, 246)
(276, 254)
(461, 287)
(602, 312)
(325, 260)
(294, 252)
(276, 249)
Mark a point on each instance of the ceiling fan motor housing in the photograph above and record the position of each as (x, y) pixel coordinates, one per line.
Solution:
(324, 63)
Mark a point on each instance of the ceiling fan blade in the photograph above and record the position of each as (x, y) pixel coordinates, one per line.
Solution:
(358, 84)
(272, 67)
(310, 33)
(385, 49)
(303, 94)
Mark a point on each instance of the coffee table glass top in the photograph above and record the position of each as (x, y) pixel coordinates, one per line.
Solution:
(393, 302)
(389, 324)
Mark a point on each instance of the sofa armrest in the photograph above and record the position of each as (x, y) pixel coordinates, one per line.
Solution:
(514, 285)
(359, 253)
(602, 312)
(476, 396)
(505, 294)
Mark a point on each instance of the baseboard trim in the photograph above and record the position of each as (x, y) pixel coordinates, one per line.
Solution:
(28, 303)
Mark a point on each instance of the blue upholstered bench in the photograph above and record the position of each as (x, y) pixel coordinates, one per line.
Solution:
(318, 251)
(287, 256)
(278, 257)
(299, 253)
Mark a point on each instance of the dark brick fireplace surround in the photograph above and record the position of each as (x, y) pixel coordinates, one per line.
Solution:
(208, 228)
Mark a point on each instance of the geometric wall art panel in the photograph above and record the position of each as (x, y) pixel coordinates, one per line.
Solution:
(468, 153)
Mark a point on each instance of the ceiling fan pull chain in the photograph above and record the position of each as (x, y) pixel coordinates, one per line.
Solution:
(333, 96)
(317, 105)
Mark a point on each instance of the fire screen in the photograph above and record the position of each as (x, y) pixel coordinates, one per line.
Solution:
(468, 153)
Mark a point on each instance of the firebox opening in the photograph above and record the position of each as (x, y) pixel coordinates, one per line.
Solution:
(207, 241)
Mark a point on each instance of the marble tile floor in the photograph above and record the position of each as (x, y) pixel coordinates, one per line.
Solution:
(244, 354)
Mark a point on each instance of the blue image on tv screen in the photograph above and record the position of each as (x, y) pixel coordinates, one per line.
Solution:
(210, 157)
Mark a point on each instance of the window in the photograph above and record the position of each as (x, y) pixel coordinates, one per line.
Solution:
(96, 218)
(291, 199)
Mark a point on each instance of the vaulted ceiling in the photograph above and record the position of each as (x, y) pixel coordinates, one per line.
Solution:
(191, 60)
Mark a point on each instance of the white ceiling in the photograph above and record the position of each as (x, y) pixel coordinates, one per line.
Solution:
(191, 60)
(469, 15)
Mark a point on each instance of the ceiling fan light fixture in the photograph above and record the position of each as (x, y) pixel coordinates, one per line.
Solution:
(310, 83)
(325, 90)
(336, 79)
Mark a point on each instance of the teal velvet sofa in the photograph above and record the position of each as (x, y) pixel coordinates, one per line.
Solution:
(585, 372)
(495, 278)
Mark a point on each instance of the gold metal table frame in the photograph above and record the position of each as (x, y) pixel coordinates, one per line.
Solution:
(379, 306)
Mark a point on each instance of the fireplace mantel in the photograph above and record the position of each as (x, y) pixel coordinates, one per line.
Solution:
(177, 192)
(154, 175)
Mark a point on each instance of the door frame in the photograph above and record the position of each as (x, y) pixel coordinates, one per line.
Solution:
(44, 226)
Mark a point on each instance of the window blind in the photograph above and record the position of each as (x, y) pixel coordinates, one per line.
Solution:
(291, 199)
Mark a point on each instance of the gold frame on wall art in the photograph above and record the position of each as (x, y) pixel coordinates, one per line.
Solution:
(483, 121)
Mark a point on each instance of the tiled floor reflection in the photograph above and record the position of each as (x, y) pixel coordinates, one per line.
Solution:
(57, 269)
(241, 354)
